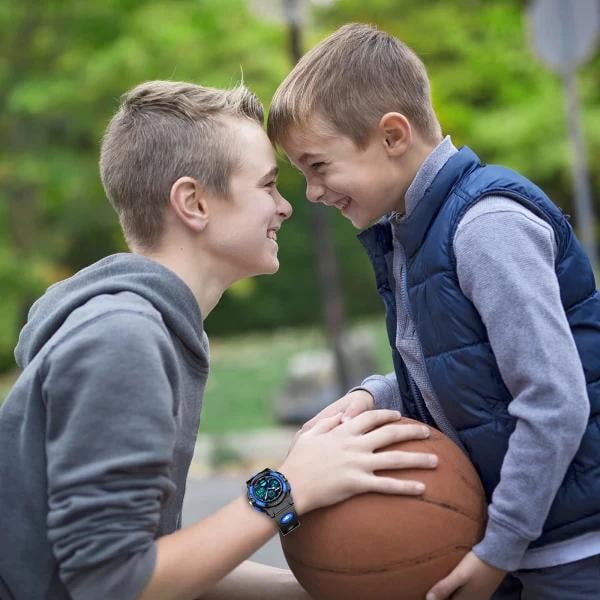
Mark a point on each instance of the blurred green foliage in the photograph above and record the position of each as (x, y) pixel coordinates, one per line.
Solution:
(64, 64)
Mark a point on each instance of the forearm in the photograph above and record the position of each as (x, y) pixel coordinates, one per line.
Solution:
(254, 581)
(523, 497)
(191, 561)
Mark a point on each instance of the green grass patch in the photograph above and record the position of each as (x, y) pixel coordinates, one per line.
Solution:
(246, 372)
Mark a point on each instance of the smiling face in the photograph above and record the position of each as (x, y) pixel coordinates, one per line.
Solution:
(241, 234)
(362, 183)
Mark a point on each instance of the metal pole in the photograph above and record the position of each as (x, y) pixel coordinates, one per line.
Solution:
(323, 240)
(581, 182)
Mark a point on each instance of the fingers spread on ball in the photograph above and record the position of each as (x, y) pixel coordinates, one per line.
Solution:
(371, 419)
(389, 485)
(325, 424)
(392, 433)
(397, 459)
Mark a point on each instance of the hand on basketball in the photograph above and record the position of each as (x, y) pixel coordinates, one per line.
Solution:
(472, 579)
(350, 405)
(333, 461)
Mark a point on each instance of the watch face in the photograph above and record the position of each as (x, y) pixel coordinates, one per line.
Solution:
(267, 488)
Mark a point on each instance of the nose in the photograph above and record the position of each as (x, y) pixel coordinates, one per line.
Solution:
(284, 208)
(314, 192)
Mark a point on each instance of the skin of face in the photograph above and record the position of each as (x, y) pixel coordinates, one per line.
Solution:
(241, 230)
(363, 183)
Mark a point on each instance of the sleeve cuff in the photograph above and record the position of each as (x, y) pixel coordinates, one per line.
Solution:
(501, 547)
(385, 392)
(124, 578)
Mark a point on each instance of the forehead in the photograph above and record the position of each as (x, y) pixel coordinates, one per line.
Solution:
(316, 137)
(254, 150)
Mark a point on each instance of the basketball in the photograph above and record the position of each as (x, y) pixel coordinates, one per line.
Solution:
(379, 546)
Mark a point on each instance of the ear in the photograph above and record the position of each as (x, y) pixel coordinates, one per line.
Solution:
(396, 133)
(188, 200)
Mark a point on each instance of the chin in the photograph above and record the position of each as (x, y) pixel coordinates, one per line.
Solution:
(358, 223)
(274, 268)
(268, 269)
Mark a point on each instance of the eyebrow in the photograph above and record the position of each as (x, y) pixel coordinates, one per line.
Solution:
(272, 173)
(304, 157)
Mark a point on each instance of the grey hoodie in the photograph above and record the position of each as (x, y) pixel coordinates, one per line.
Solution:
(97, 435)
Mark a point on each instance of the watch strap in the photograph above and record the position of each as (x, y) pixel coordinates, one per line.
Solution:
(285, 515)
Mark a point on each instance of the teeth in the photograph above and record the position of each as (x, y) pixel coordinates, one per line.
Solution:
(272, 235)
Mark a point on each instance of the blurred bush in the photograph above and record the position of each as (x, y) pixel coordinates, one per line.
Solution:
(64, 64)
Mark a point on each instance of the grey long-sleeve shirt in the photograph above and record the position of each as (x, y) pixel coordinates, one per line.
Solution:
(505, 257)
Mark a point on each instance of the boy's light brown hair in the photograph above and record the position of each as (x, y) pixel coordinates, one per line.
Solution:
(162, 131)
(351, 79)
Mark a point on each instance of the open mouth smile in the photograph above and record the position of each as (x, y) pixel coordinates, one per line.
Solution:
(342, 204)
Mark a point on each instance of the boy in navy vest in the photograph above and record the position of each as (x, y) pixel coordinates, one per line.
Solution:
(491, 308)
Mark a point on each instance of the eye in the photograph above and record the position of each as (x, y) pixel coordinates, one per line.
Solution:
(316, 166)
(271, 184)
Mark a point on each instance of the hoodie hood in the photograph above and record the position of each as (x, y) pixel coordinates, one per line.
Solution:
(124, 272)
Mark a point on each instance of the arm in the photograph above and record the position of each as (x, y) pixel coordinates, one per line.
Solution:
(339, 456)
(255, 581)
(109, 450)
(505, 264)
(375, 392)
(109, 445)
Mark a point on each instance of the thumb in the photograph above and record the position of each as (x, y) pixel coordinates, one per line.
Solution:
(444, 589)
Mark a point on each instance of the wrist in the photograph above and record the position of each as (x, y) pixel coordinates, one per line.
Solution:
(269, 492)
(297, 490)
(365, 396)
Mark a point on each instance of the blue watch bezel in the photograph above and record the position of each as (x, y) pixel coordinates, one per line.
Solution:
(260, 504)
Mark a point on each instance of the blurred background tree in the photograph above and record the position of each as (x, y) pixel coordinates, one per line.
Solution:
(64, 64)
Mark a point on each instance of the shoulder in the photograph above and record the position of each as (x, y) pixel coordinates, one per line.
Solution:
(125, 310)
(502, 208)
(500, 221)
(113, 323)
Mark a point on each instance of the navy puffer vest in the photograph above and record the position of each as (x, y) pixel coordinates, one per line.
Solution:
(459, 360)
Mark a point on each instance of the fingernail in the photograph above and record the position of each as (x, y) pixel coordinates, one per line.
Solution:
(431, 597)
(425, 431)
(433, 460)
(420, 487)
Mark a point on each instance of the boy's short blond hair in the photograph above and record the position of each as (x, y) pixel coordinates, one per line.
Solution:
(162, 131)
(351, 79)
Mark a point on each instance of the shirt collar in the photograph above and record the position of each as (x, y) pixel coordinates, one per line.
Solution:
(430, 167)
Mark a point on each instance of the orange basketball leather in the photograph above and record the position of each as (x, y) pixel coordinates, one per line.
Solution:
(380, 547)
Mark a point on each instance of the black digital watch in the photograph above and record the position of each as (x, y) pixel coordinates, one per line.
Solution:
(269, 492)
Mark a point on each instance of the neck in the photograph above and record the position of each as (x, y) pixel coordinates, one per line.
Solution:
(207, 283)
(413, 160)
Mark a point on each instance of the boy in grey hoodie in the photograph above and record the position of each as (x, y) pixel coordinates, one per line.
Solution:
(97, 435)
